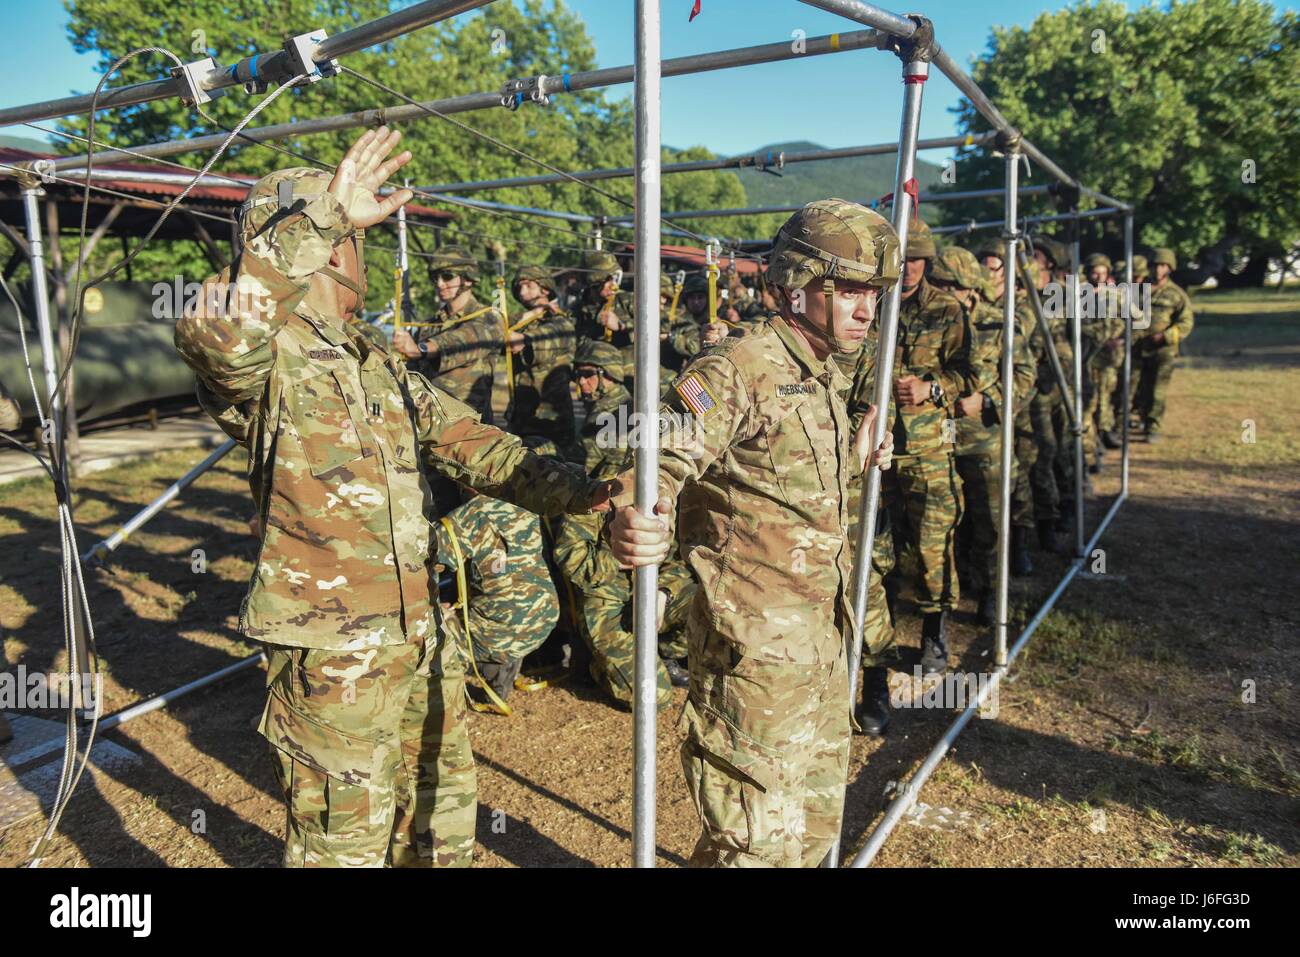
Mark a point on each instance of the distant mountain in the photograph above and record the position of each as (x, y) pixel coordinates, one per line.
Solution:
(858, 178)
(25, 143)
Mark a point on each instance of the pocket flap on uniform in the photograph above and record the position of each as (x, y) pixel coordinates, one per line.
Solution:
(722, 744)
(346, 757)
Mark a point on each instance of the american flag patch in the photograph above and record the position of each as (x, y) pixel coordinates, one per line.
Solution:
(696, 395)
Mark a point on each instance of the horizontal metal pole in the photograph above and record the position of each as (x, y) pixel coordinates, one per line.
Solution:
(159, 701)
(759, 210)
(1058, 218)
(177, 178)
(911, 790)
(507, 207)
(554, 84)
(349, 41)
(753, 161)
(153, 508)
(867, 13)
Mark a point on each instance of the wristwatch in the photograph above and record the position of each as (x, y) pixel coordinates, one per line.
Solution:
(423, 347)
(936, 392)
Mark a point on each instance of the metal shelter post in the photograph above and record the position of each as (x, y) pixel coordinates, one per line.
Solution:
(646, 577)
(1076, 338)
(916, 70)
(1008, 439)
(1126, 376)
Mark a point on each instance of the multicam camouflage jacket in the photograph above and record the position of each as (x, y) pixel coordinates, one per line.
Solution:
(758, 458)
(468, 341)
(1171, 314)
(980, 434)
(933, 344)
(338, 435)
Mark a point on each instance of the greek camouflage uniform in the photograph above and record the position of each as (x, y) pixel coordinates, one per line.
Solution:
(1171, 315)
(979, 441)
(1054, 468)
(926, 494)
(468, 341)
(365, 707)
(602, 591)
(512, 602)
(542, 406)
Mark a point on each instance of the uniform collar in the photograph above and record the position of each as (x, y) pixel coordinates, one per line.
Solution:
(470, 306)
(800, 352)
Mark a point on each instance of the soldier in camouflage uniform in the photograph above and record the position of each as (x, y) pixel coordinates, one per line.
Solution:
(1047, 407)
(512, 602)
(457, 350)
(601, 589)
(763, 489)
(1108, 331)
(608, 309)
(365, 707)
(932, 369)
(1156, 347)
(993, 292)
(542, 347)
(690, 333)
(979, 430)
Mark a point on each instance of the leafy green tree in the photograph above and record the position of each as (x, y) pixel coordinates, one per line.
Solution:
(1189, 110)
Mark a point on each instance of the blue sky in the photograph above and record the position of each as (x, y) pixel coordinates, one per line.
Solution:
(731, 111)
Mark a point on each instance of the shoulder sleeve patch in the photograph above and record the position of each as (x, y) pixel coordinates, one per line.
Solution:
(694, 393)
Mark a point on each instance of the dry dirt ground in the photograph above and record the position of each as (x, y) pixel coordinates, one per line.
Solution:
(1151, 721)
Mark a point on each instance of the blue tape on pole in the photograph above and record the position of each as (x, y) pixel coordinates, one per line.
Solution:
(567, 87)
(254, 65)
(519, 99)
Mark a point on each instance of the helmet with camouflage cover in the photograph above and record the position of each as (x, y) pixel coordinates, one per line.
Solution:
(1165, 255)
(695, 282)
(1098, 259)
(1032, 270)
(920, 241)
(600, 266)
(284, 193)
(834, 239)
(538, 274)
(959, 267)
(604, 355)
(991, 248)
(1050, 248)
(454, 259)
(1140, 266)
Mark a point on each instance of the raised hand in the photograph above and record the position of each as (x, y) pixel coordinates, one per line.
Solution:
(363, 171)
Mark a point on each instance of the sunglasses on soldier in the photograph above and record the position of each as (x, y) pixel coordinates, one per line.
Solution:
(586, 372)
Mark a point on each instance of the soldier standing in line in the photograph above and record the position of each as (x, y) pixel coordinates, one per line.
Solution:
(365, 707)
(542, 356)
(979, 432)
(1157, 346)
(764, 513)
(1108, 330)
(932, 370)
(608, 311)
(457, 350)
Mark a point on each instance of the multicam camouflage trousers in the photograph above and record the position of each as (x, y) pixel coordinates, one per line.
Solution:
(765, 756)
(925, 507)
(372, 753)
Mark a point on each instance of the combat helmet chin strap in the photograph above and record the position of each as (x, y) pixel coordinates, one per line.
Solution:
(842, 346)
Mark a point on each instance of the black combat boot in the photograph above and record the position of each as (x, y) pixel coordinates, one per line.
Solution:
(934, 649)
(1020, 561)
(1112, 439)
(873, 713)
(1049, 536)
(501, 675)
(988, 608)
(678, 676)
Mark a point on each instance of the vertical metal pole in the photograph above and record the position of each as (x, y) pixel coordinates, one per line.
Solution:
(1076, 334)
(1128, 353)
(1008, 409)
(646, 580)
(57, 449)
(400, 291)
(41, 293)
(598, 235)
(915, 73)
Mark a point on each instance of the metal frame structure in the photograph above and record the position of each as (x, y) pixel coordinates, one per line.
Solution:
(912, 39)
